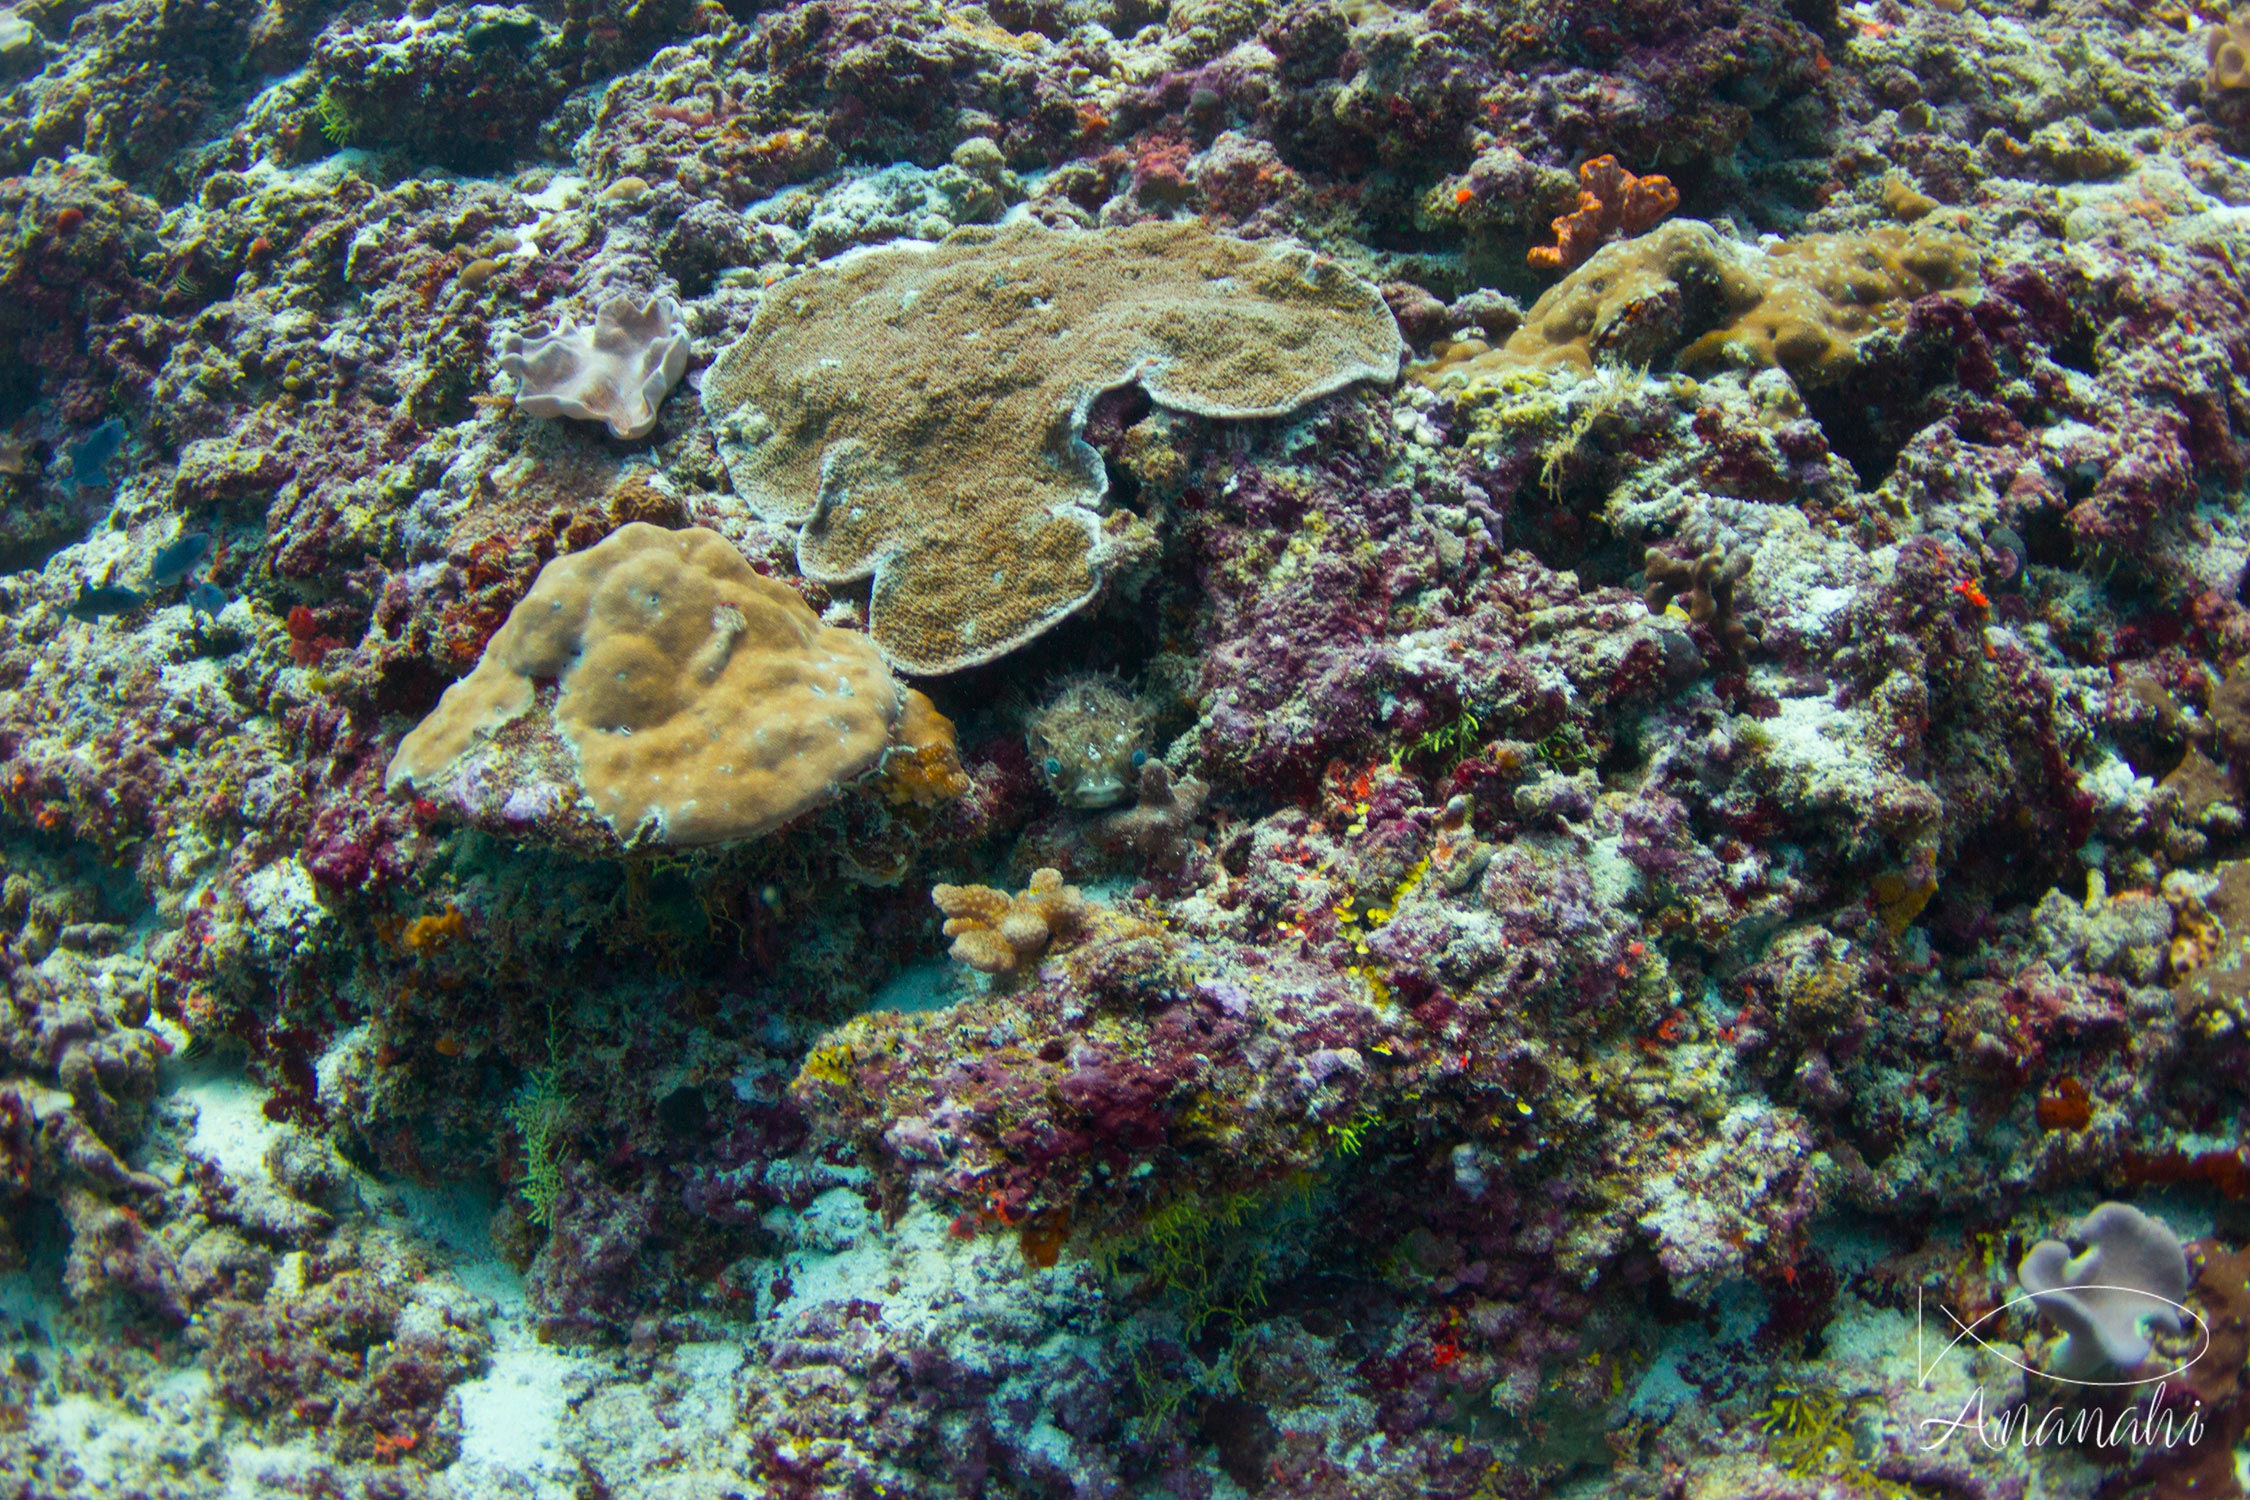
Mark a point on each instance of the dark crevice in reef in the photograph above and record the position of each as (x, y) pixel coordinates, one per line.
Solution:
(1872, 413)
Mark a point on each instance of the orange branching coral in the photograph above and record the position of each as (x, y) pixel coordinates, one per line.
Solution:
(1611, 202)
(426, 934)
(993, 931)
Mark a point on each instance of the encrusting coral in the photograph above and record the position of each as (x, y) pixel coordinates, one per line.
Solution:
(617, 370)
(917, 409)
(994, 932)
(923, 765)
(1611, 202)
(1686, 293)
(695, 702)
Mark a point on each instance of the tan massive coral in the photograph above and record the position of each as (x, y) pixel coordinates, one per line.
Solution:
(917, 409)
(654, 689)
(1687, 294)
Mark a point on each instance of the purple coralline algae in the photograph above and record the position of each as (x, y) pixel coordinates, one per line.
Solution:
(1499, 932)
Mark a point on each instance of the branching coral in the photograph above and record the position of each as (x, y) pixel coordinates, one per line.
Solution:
(1705, 589)
(696, 701)
(616, 371)
(994, 932)
(917, 410)
(1611, 202)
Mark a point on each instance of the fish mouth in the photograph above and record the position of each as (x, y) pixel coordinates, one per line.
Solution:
(1095, 793)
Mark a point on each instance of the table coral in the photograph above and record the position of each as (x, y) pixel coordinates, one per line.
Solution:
(1611, 202)
(616, 371)
(917, 410)
(695, 702)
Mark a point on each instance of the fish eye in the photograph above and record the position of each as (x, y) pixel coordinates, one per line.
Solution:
(1053, 766)
(1140, 759)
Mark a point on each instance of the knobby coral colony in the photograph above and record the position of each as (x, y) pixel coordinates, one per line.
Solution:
(1307, 749)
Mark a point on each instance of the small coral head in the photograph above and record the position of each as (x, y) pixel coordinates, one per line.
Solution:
(696, 701)
(617, 372)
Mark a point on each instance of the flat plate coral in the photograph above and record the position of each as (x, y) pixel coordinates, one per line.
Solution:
(917, 409)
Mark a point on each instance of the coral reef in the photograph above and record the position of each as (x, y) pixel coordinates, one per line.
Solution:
(952, 489)
(1512, 931)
